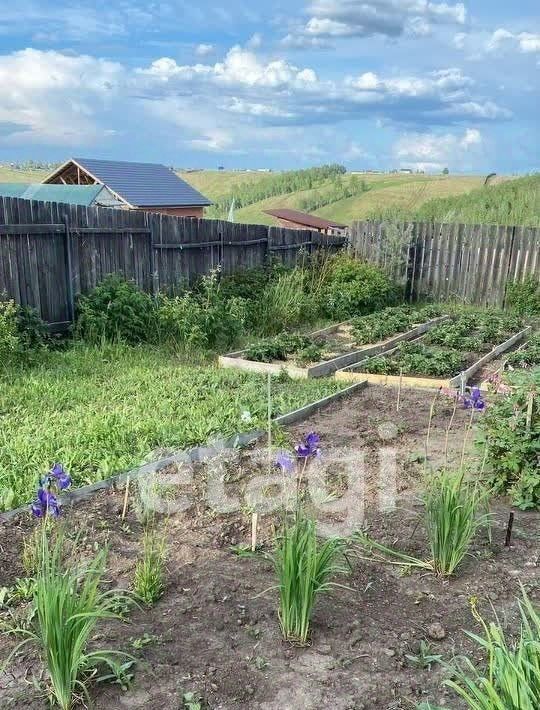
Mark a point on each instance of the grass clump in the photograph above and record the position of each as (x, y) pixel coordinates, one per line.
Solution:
(149, 582)
(454, 511)
(304, 567)
(511, 680)
(69, 604)
(453, 516)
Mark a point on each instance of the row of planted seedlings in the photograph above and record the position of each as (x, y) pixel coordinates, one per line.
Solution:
(70, 596)
(448, 355)
(324, 351)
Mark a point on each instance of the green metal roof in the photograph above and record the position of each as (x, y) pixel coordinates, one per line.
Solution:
(69, 194)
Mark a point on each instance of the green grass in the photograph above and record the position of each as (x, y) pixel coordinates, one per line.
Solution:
(396, 191)
(19, 175)
(99, 411)
(508, 203)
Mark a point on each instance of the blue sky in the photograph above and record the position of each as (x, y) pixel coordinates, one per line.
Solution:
(369, 83)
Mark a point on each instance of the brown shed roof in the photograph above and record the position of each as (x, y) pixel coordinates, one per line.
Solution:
(305, 219)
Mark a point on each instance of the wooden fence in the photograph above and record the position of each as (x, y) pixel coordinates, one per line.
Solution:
(51, 252)
(472, 263)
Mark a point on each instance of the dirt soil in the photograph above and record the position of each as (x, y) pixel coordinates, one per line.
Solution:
(215, 631)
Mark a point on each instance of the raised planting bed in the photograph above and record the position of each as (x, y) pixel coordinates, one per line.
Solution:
(325, 351)
(447, 356)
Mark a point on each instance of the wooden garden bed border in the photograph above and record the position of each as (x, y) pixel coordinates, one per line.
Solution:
(198, 453)
(326, 367)
(349, 374)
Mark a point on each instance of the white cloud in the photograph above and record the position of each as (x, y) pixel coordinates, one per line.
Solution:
(255, 41)
(430, 151)
(351, 18)
(242, 100)
(459, 40)
(203, 50)
(51, 97)
(525, 42)
(446, 81)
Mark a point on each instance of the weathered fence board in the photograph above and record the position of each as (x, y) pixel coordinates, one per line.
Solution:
(50, 252)
(472, 263)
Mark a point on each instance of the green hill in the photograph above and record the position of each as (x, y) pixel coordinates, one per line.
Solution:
(511, 202)
(327, 192)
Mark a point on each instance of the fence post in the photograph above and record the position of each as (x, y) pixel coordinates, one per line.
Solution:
(150, 221)
(510, 259)
(69, 270)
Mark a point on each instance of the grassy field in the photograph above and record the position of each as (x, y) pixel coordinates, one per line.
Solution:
(11, 175)
(102, 410)
(404, 191)
(512, 202)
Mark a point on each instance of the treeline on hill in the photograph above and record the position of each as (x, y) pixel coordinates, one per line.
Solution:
(280, 184)
(514, 202)
(339, 189)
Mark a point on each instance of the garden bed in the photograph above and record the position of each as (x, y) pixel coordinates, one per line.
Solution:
(215, 632)
(325, 351)
(444, 358)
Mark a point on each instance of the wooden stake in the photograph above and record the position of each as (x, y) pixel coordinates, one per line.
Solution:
(448, 429)
(509, 529)
(254, 524)
(399, 389)
(126, 497)
(530, 405)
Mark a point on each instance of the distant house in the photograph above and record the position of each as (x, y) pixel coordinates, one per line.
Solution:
(302, 220)
(86, 195)
(136, 186)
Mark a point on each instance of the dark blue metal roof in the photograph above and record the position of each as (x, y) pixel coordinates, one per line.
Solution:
(144, 184)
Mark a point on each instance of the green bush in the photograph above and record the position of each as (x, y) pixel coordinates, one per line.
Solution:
(524, 296)
(115, 310)
(32, 331)
(202, 319)
(287, 301)
(354, 288)
(511, 434)
(9, 336)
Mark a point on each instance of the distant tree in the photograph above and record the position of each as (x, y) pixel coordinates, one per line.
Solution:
(445, 171)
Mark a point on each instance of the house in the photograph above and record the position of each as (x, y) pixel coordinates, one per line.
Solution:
(86, 195)
(293, 219)
(135, 186)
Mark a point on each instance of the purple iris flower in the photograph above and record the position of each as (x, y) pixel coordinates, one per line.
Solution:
(285, 461)
(61, 476)
(46, 503)
(474, 400)
(309, 446)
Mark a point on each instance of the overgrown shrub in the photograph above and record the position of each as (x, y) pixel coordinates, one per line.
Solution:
(286, 303)
(524, 296)
(511, 434)
(204, 318)
(32, 330)
(9, 338)
(115, 310)
(354, 288)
